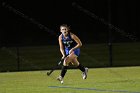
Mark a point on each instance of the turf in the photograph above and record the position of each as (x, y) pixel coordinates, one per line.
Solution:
(100, 80)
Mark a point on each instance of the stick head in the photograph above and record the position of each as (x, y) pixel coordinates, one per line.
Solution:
(48, 73)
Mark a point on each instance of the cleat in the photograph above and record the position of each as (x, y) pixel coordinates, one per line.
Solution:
(85, 73)
(60, 79)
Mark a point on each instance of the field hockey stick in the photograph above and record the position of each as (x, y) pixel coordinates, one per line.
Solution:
(53, 68)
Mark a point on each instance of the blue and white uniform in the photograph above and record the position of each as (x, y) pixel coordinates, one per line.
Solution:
(69, 43)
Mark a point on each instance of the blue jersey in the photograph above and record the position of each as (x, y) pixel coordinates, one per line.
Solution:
(69, 43)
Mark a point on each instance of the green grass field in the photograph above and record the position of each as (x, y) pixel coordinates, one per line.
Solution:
(100, 80)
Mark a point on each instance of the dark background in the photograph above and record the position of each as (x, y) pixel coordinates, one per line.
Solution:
(16, 30)
(29, 30)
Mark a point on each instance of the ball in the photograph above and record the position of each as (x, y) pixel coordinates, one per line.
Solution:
(62, 82)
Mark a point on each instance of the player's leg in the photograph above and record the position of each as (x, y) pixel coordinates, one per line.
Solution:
(81, 67)
(66, 62)
(76, 63)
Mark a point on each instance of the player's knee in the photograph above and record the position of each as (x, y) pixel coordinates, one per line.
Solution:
(76, 64)
(66, 62)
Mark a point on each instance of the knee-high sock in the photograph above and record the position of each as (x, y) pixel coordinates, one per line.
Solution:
(63, 71)
(81, 67)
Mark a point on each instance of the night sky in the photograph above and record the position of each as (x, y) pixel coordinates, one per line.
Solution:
(35, 22)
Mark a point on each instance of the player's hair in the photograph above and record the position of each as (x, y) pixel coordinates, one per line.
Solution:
(65, 25)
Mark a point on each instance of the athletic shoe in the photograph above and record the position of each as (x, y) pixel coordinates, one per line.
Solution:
(85, 73)
(60, 79)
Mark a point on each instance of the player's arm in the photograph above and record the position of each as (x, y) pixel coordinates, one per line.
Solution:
(61, 46)
(77, 40)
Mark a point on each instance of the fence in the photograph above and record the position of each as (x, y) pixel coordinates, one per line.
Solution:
(108, 38)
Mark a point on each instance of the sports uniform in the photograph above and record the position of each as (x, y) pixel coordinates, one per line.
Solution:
(69, 43)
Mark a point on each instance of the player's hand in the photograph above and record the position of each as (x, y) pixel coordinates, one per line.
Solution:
(71, 51)
(63, 57)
